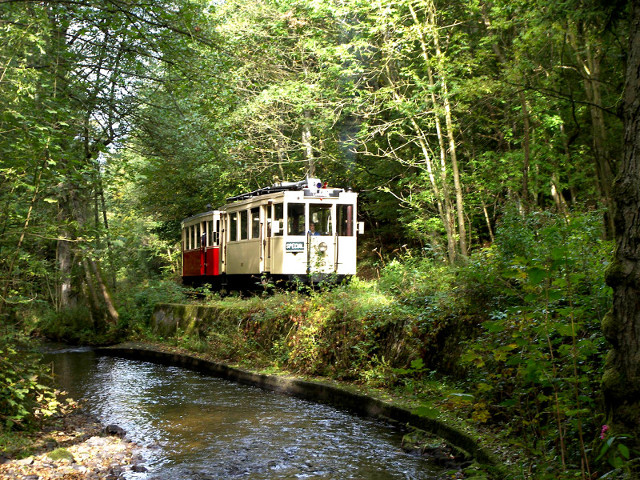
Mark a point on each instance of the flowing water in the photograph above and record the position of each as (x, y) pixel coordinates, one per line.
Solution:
(193, 426)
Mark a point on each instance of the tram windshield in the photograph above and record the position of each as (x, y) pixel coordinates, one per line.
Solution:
(295, 219)
(320, 219)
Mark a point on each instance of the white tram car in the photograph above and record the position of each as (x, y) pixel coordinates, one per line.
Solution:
(304, 230)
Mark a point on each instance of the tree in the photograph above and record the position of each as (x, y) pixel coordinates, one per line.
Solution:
(621, 380)
(29, 126)
(405, 113)
(71, 72)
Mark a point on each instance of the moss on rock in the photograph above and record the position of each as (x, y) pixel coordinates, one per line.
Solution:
(61, 454)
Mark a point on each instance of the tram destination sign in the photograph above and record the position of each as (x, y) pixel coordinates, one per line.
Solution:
(294, 247)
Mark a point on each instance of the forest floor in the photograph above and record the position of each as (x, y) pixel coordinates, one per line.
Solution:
(74, 446)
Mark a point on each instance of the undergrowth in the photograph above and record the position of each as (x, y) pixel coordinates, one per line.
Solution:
(27, 396)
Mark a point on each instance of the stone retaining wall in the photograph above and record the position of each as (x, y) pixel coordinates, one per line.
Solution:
(168, 318)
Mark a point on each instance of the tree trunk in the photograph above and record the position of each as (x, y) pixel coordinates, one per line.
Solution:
(447, 208)
(462, 230)
(443, 201)
(556, 194)
(105, 220)
(590, 65)
(93, 299)
(281, 156)
(527, 150)
(64, 252)
(604, 169)
(621, 379)
(487, 219)
(112, 314)
(74, 212)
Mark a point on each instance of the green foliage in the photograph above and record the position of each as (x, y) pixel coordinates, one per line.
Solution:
(26, 396)
(137, 300)
(118, 123)
(62, 112)
(615, 453)
(77, 326)
(538, 361)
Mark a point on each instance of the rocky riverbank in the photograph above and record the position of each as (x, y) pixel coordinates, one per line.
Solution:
(75, 446)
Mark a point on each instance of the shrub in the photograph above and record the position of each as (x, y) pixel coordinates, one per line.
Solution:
(537, 362)
(136, 302)
(25, 393)
(73, 325)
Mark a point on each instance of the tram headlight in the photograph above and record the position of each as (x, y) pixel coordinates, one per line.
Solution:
(322, 247)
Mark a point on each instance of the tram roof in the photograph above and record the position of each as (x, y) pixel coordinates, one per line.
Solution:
(199, 215)
(304, 185)
(312, 187)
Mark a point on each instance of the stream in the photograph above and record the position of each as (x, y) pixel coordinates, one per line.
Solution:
(197, 427)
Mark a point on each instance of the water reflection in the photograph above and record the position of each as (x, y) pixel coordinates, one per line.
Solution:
(199, 427)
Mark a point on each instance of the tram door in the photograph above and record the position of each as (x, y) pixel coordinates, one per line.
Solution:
(266, 238)
(202, 243)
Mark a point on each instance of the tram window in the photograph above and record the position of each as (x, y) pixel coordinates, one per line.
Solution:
(198, 236)
(278, 216)
(233, 227)
(255, 222)
(244, 227)
(216, 234)
(192, 234)
(345, 220)
(295, 219)
(320, 219)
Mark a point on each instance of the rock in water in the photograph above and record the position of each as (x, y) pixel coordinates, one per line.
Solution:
(114, 430)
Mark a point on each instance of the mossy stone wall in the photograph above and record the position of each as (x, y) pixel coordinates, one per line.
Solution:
(170, 318)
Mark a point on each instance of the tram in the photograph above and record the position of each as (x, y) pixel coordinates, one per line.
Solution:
(291, 231)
